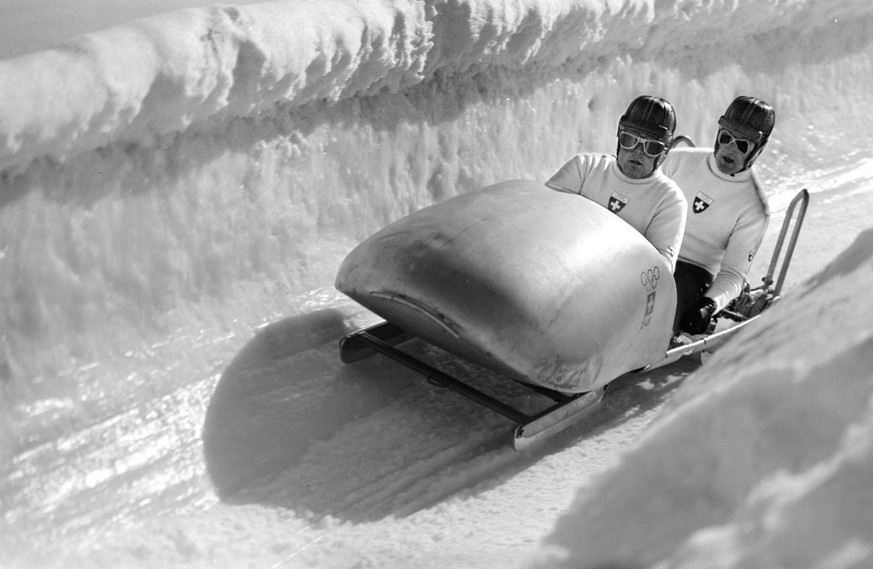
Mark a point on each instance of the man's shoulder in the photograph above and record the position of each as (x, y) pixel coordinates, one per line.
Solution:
(590, 161)
(669, 188)
(689, 151)
(685, 160)
(746, 196)
(574, 175)
(688, 154)
(762, 204)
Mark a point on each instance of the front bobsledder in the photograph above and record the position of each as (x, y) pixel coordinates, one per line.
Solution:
(545, 288)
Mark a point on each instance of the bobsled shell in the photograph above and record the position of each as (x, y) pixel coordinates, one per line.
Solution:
(545, 287)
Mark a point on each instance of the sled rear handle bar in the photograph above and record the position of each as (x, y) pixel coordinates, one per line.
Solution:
(802, 198)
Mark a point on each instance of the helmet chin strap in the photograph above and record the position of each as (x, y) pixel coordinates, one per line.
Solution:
(753, 156)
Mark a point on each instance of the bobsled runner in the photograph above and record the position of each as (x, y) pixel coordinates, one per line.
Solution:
(551, 291)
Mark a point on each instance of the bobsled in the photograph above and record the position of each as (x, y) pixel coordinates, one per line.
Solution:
(545, 288)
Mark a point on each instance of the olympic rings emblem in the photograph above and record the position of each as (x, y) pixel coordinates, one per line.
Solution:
(649, 278)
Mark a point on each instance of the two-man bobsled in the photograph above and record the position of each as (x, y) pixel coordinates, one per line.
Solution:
(547, 289)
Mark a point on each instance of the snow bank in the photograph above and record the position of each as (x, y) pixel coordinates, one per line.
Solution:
(763, 459)
(164, 74)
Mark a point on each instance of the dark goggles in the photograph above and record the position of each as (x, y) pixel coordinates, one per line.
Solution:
(725, 137)
(630, 141)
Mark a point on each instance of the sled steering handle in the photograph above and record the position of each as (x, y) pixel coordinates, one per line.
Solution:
(801, 198)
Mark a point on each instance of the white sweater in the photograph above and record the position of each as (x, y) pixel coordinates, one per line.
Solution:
(726, 222)
(654, 206)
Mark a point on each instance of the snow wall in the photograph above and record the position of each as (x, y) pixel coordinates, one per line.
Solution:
(761, 461)
(171, 181)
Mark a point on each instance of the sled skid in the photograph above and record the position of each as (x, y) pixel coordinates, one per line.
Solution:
(530, 429)
(354, 348)
(556, 418)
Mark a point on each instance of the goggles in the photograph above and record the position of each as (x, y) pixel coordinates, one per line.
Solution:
(725, 137)
(630, 141)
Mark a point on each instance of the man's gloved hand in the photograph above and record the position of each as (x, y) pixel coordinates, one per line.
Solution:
(698, 316)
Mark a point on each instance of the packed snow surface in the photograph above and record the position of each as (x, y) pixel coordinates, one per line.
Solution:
(178, 190)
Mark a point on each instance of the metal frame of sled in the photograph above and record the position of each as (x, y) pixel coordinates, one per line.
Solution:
(567, 409)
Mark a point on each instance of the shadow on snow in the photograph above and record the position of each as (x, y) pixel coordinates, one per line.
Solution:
(290, 426)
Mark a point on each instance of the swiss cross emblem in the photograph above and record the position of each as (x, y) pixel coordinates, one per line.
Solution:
(650, 304)
(650, 283)
(617, 202)
(701, 202)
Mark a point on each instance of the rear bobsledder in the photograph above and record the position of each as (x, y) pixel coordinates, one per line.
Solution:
(411, 296)
(749, 305)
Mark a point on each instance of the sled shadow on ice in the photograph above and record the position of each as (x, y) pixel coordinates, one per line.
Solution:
(284, 390)
(290, 426)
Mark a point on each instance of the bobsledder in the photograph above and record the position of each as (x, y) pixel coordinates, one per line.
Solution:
(511, 279)
(751, 302)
